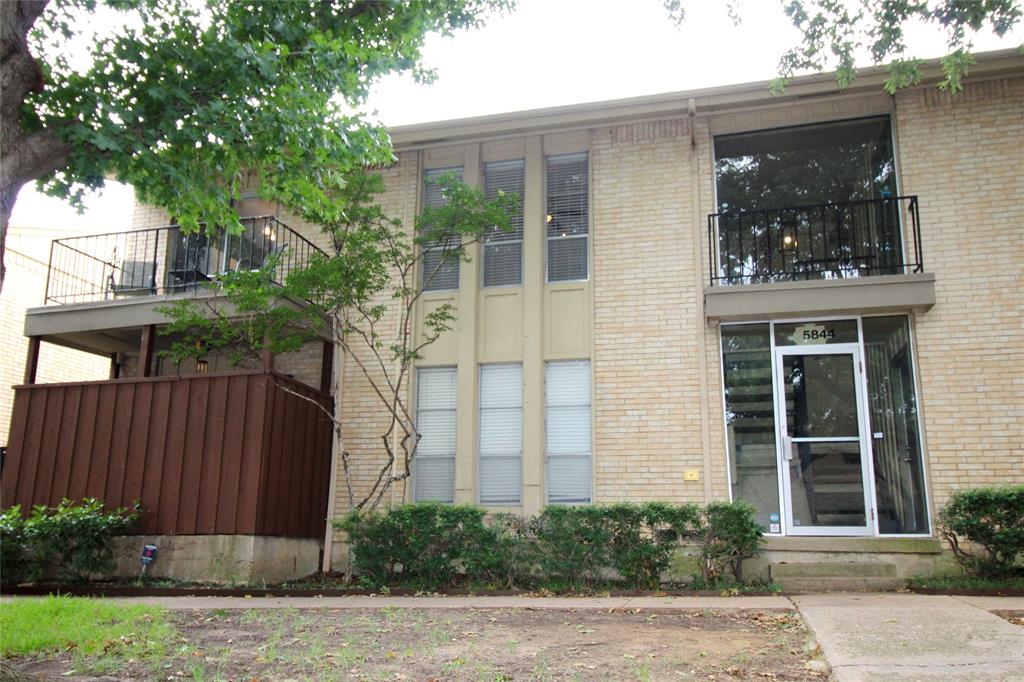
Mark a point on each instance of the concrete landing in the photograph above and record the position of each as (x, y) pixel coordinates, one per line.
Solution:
(914, 637)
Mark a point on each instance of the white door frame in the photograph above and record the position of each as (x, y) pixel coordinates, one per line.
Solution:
(784, 441)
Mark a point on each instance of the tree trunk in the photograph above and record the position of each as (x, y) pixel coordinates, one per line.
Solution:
(23, 158)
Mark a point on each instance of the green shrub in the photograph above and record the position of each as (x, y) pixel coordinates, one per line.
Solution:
(727, 534)
(985, 530)
(430, 546)
(69, 542)
(14, 559)
(425, 545)
(511, 561)
(643, 538)
(571, 545)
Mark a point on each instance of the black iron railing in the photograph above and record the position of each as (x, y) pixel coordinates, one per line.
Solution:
(827, 241)
(166, 260)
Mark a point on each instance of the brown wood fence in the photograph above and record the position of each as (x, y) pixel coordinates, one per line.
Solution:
(233, 453)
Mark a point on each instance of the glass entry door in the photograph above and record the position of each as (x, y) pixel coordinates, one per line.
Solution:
(823, 440)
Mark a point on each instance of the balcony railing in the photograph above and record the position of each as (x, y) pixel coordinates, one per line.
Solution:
(827, 241)
(167, 260)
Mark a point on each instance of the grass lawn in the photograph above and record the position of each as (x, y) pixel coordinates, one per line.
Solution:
(496, 645)
(97, 636)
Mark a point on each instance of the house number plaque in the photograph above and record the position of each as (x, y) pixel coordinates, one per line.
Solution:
(811, 333)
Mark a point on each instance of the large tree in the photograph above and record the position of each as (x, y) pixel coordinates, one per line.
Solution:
(839, 33)
(179, 97)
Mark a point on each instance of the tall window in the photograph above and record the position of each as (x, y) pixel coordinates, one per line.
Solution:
(503, 251)
(438, 272)
(567, 428)
(813, 201)
(750, 419)
(434, 464)
(501, 433)
(896, 447)
(567, 217)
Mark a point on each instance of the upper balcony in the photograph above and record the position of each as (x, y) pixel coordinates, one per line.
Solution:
(809, 223)
(168, 260)
(103, 289)
(834, 258)
(825, 241)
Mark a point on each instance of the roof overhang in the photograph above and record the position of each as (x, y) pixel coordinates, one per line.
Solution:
(701, 102)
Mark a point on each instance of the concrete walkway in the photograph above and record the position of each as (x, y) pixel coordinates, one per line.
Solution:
(906, 637)
(600, 603)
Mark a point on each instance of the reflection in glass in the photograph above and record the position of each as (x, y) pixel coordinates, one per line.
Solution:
(896, 445)
(826, 484)
(821, 399)
(808, 202)
(812, 333)
(750, 418)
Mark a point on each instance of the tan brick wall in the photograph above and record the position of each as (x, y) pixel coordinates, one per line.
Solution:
(963, 156)
(24, 287)
(647, 393)
(363, 417)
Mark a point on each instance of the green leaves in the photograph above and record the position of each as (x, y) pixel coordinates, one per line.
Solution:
(181, 97)
(991, 520)
(68, 542)
(433, 546)
(835, 35)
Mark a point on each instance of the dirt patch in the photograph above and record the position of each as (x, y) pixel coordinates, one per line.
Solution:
(464, 644)
(1015, 617)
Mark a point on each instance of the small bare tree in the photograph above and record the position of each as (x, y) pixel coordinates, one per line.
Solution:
(363, 295)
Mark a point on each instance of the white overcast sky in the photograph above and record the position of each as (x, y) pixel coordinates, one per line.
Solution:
(550, 53)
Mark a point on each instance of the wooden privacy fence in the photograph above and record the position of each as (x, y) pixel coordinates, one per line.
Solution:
(232, 453)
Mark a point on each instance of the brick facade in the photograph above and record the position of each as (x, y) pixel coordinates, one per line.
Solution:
(658, 408)
(25, 287)
(964, 155)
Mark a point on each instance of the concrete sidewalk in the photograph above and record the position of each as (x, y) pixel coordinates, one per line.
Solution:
(908, 637)
(601, 603)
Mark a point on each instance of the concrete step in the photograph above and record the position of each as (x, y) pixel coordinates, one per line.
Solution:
(836, 576)
(815, 585)
(817, 545)
(833, 569)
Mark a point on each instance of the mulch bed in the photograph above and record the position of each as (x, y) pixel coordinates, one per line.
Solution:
(105, 590)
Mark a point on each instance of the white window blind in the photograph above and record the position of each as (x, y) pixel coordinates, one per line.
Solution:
(438, 273)
(501, 433)
(567, 428)
(434, 463)
(567, 217)
(503, 251)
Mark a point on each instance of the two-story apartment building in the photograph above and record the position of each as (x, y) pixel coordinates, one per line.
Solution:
(812, 302)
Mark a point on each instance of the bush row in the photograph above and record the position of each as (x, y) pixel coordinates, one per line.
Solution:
(431, 546)
(69, 542)
(985, 530)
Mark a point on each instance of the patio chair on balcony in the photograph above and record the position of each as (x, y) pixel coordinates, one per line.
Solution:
(133, 278)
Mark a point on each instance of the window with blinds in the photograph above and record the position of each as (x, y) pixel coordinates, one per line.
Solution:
(434, 463)
(567, 429)
(501, 433)
(567, 217)
(438, 271)
(503, 251)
